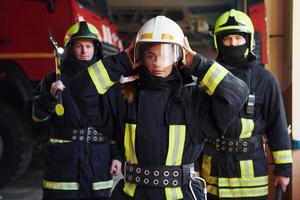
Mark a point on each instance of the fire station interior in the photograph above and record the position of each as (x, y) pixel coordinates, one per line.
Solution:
(277, 42)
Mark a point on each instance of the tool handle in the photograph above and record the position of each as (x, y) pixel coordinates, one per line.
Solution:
(278, 192)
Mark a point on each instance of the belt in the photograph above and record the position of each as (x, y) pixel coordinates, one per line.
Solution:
(89, 134)
(246, 145)
(158, 176)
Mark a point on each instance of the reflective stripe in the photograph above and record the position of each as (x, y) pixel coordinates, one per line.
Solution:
(215, 184)
(243, 192)
(174, 157)
(102, 185)
(247, 128)
(165, 36)
(243, 182)
(35, 118)
(75, 185)
(212, 189)
(53, 141)
(100, 77)
(60, 185)
(206, 169)
(247, 169)
(147, 36)
(282, 157)
(129, 145)
(213, 77)
(26, 55)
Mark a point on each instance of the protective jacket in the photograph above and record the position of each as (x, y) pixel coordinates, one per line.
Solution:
(163, 128)
(80, 149)
(234, 164)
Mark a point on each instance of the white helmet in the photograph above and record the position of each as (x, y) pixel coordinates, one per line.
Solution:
(163, 30)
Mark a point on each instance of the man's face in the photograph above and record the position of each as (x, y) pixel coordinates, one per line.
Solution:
(233, 40)
(159, 59)
(83, 49)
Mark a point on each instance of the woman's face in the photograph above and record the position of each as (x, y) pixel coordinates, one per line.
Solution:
(83, 49)
(159, 59)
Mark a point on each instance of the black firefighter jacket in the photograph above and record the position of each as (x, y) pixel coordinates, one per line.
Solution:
(160, 129)
(245, 175)
(75, 169)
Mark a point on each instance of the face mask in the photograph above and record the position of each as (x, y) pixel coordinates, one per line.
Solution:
(233, 55)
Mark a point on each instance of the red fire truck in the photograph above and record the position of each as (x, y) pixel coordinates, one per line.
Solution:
(26, 55)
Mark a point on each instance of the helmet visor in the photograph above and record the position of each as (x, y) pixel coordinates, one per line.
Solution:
(159, 55)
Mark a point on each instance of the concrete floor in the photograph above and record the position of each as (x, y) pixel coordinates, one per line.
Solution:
(27, 187)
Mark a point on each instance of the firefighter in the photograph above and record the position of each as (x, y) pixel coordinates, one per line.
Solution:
(163, 118)
(81, 156)
(234, 164)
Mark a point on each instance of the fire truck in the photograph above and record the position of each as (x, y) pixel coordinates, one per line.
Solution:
(26, 56)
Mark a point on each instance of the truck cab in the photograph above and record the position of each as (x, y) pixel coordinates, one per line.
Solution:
(26, 56)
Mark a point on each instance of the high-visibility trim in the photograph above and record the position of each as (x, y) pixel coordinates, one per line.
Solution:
(213, 77)
(35, 118)
(102, 185)
(212, 189)
(247, 169)
(129, 143)
(55, 141)
(147, 36)
(243, 192)
(100, 77)
(130, 155)
(165, 36)
(25, 55)
(205, 170)
(243, 182)
(52, 185)
(282, 157)
(247, 128)
(176, 144)
(174, 156)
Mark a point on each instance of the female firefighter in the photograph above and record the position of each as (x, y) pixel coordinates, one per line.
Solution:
(234, 164)
(163, 119)
(80, 157)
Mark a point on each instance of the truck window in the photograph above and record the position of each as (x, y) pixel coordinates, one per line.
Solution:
(97, 6)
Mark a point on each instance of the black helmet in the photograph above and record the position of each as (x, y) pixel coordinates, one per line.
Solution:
(84, 30)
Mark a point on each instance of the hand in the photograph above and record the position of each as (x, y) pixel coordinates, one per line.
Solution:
(130, 53)
(115, 168)
(188, 53)
(55, 86)
(283, 181)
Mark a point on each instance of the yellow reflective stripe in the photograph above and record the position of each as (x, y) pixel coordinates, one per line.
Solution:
(247, 169)
(243, 182)
(205, 170)
(60, 185)
(174, 157)
(53, 141)
(213, 77)
(101, 185)
(35, 118)
(26, 55)
(147, 36)
(282, 157)
(129, 145)
(247, 128)
(212, 189)
(100, 77)
(176, 144)
(165, 36)
(173, 193)
(243, 192)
